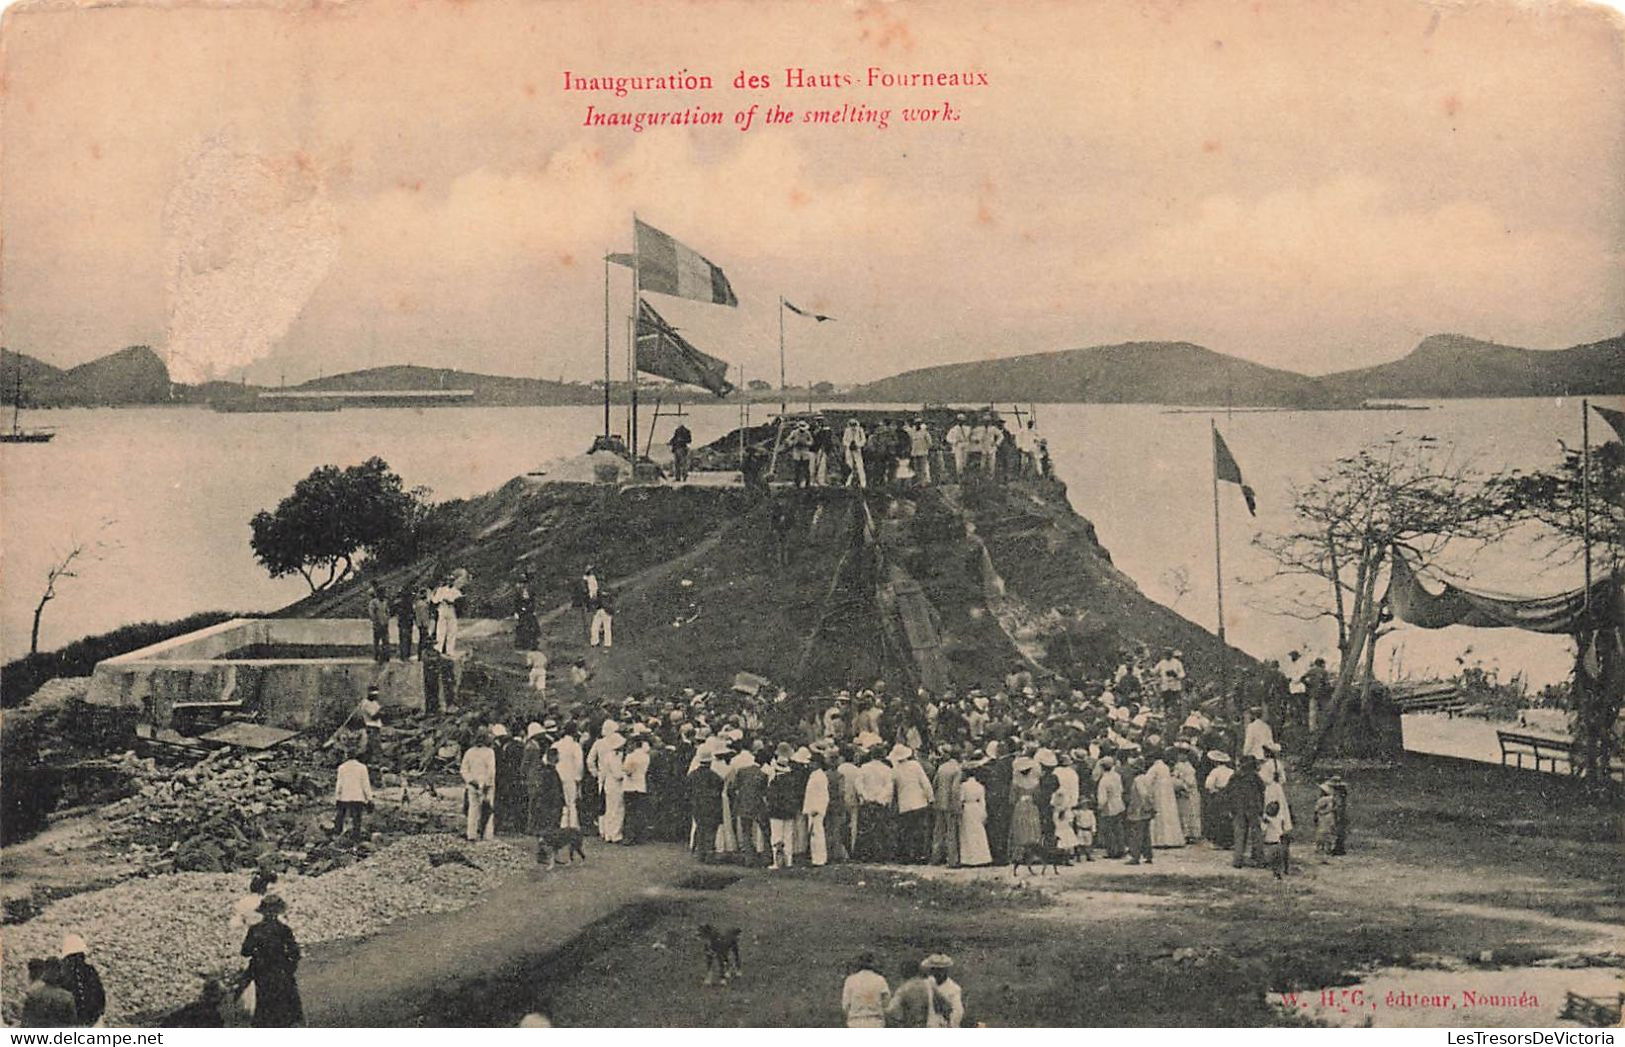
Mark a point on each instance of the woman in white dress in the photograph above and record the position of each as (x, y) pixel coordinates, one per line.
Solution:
(614, 785)
(1166, 830)
(1273, 775)
(973, 847)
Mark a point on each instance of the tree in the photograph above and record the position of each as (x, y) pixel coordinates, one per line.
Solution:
(66, 566)
(1409, 495)
(334, 518)
(758, 385)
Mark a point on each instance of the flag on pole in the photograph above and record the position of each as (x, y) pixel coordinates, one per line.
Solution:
(668, 267)
(662, 351)
(1613, 418)
(620, 258)
(1226, 469)
(802, 312)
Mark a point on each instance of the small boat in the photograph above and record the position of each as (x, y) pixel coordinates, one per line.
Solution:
(17, 434)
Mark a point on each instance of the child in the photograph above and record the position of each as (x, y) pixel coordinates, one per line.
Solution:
(1083, 827)
(1274, 837)
(537, 663)
(1065, 838)
(1325, 820)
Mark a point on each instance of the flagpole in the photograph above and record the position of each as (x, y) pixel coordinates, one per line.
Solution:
(606, 347)
(1585, 496)
(784, 403)
(632, 349)
(1218, 568)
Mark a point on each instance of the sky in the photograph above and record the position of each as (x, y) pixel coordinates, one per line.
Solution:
(285, 191)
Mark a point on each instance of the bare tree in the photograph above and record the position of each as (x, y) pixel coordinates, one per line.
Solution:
(66, 566)
(1403, 494)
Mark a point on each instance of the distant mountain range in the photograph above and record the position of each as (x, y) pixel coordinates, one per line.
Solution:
(1443, 366)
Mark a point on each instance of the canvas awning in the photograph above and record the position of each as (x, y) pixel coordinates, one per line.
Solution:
(1444, 604)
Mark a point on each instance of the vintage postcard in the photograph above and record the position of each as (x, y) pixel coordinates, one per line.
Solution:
(812, 514)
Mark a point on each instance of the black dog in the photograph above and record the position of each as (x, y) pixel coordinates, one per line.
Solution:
(551, 842)
(721, 954)
(1042, 856)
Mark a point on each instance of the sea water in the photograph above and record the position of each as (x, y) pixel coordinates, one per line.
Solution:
(161, 498)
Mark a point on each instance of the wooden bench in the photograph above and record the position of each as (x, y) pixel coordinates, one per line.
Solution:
(1515, 746)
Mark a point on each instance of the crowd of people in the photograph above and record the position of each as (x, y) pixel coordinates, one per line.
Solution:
(895, 451)
(1117, 769)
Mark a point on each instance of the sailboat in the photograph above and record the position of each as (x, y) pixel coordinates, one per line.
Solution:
(17, 434)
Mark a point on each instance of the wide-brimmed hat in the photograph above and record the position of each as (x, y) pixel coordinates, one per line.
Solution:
(936, 962)
(1218, 756)
(498, 731)
(532, 729)
(272, 905)
(899, 752)
(72, 945)
(802, 755)
(609, 727)
(1045, 758)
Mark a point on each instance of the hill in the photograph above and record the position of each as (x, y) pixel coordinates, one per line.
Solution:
(489, 390)
(1448, 366)
(958, 585)
(1134, 372)
(135, 375)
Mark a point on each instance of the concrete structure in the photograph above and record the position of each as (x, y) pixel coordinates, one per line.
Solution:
(204, 672)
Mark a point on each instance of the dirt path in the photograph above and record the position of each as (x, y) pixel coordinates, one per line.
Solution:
(470, 967)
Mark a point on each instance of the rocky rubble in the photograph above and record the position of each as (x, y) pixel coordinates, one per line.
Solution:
(154, 939)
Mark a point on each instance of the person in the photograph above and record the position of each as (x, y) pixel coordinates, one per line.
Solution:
(784, 797)
(527, 632)
(205, 1011)
(76, 974)
(479, 774)
(1215, 812)
(245, 912)
(865, 994)
(1083, 829)
(853, 442)
(46, 1004)
(352, 793)
(1032, 448)
(1166, 829)
(1273, 834)
(814, 807)
(1112, 807)
(1340, 807)
(273, 960)
(1187, 793)
(1026, 828)
(800, 444)
(824, 450)
(509, 800)
(378, 613)
(544, 790)
(570, 766)
(635, 768)
(958, 439)
(747, 802)
(1272, 773)
(1245, 798)
(1141, 811)
(920, 443)
(1325, 820)
(914, 796)
(1170, 676)
(611, 775)
(973, 848)
(945, 803)
(992, 440)
(915, 1000)
(936, 967)
(584, 595)
(404, 620)
(1258, 734)
(423, 618)
(680, 442)
(877, 784)
(445, 600)
(705, 806)
(602, 630)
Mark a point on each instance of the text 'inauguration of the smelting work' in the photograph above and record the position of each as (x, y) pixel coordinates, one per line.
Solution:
(873, 97)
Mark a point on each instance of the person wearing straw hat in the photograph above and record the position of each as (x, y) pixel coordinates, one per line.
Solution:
(479, 773)
(612, 782)
(937, 967)
(815, 805)
(273, 959)
(570, 765)
(76, 975)
(945, 804)
(1215, 810)
(544, 790)
(784, 797)
(914, 795)
(877, 785)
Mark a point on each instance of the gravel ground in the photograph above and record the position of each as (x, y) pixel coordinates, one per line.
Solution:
(154, 939)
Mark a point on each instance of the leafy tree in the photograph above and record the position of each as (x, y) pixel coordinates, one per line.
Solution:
(1410, 495)
(333, 519)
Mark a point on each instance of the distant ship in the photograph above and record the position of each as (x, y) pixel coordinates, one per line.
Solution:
(17, 434)
(333, 400)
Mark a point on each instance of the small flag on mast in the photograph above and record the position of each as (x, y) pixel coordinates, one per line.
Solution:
(662, 351)
(621, 258)
(1226, 469)
(1613, 418)
(802, 312)
(668, 267)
